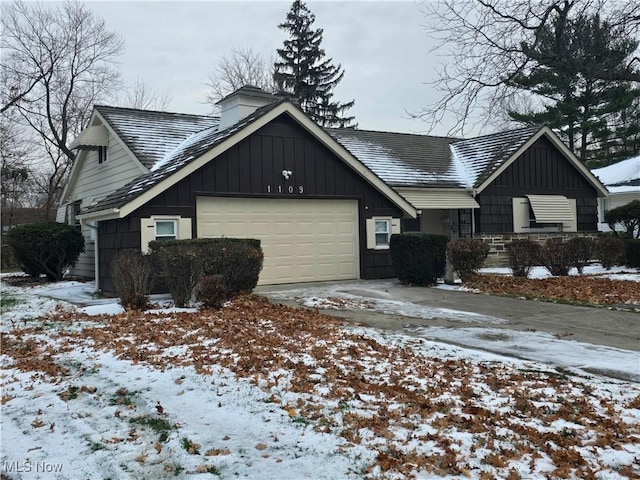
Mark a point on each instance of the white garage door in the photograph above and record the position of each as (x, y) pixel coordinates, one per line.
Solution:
(303, 240)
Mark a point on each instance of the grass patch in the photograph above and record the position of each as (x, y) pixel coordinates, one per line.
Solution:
(158, 425)
(191, 447)
(7, 302)
(122, 397)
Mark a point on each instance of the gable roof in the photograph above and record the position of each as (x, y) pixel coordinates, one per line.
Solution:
(401, 159)
(151, 135)
(205, 145)
(623, 176)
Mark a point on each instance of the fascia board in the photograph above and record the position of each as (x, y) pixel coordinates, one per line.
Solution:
(305, 122)
(564, 150)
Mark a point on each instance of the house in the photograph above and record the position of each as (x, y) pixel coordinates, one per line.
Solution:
(622, 179)
(324, 202)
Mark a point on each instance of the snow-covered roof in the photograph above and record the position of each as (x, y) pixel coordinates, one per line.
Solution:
(152, 135)
(621, 174)
(411, 160)
(192, 147)
(401, 159)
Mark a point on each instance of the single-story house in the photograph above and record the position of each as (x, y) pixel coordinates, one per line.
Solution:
(622, 180)
(324, 202)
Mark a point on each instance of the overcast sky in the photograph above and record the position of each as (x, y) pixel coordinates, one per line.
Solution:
(383, 47)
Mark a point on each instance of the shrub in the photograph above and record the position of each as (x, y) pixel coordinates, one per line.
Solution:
(580, 250)
(184, 262)
(523, 255)
(467, 256)
(180, 267)
(46, 248)
(633, 253)
(132, 274)
(556, 257)
(628, 216)
(418, 259)
(212, 291)
(610, 250)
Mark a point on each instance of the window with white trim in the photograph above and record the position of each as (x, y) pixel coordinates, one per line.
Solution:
(383, 232)
(379, 231)
(166, 229)
(161, 228)
(544, 213)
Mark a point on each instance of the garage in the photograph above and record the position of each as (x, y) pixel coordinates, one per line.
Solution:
(303, 240)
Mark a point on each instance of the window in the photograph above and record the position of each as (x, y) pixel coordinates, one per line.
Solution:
(379, 231)
(102, 155)
(544, 213)
(166, 229)
(73, 210)
(383, 232)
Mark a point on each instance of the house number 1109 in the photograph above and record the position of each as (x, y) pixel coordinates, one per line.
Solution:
(289, 189)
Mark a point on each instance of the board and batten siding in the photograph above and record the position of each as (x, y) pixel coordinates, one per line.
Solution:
(253, 168)
(540, 170)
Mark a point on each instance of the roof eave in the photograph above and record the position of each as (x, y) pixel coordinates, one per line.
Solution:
(600, 188)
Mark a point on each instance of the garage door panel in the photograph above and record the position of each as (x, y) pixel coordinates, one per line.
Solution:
(302, 239)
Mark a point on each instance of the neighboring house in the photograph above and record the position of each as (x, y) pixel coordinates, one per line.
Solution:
(622, 179)
(324, 202)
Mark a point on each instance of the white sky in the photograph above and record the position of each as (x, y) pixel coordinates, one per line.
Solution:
(383, 47)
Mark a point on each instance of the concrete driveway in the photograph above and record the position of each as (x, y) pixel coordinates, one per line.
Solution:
(598, 326)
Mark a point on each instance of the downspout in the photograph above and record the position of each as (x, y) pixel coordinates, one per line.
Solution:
(96, 258)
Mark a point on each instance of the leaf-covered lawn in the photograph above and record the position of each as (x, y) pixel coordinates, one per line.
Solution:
(581, 289)
(397, 406)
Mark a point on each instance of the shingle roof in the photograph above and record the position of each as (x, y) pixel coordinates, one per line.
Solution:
(193, 147)
(406, 160)
(401, 159)
(625, 173)
(152, 135)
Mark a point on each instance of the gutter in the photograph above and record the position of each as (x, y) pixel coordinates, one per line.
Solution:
(96, 257)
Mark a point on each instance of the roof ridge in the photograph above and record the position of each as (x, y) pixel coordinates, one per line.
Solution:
(422, 135)
(164, 112)
(504, 132)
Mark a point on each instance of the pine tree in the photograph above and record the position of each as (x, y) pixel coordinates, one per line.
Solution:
(303, 71)
(573, 59)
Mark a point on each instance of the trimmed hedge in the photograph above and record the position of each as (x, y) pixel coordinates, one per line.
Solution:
(467, 256)
(418, 258)
(581, 251)
(47, 248)
(556, 257)
(610, 250)
(633, 252)
(183, 263)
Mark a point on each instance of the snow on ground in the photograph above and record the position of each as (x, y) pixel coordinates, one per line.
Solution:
(105, 419)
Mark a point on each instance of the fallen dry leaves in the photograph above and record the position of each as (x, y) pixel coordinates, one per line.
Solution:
(582, 289)
(411, 408)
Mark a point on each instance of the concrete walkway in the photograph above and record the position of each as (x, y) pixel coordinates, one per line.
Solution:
(599, 326)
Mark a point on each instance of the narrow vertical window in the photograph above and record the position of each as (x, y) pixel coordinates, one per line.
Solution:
(383, 230)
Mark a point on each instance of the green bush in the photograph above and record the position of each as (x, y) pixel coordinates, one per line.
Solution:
(523, 255)
(418, 259)
(183, 263)
(212, 291)
(633, 253)
(610, 250)
(467, 256)
(556, 257)
(580, 250)
(47, 248)
(628, 216)
(132, 274)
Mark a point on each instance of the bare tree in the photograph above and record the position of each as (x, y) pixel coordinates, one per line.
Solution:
(242, 67)
(482, 41)
(57, 61)
(141, 96)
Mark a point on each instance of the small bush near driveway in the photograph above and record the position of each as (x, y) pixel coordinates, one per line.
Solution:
(418, 258)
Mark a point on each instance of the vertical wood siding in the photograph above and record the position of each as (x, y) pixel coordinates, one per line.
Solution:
(254, 167)
(540, 170)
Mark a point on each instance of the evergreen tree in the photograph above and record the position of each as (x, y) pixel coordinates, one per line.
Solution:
(303, 71)
(573, 61)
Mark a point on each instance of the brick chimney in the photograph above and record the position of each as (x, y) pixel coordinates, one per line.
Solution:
(242, 103)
